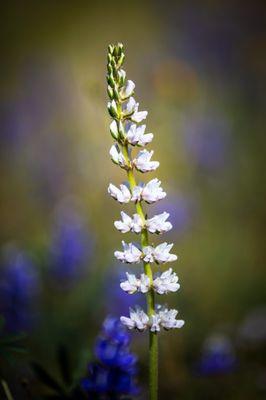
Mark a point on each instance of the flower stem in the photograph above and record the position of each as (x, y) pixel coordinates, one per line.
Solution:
(153, 337)
(6, 390)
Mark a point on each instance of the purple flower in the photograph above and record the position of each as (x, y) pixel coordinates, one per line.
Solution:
(19, 287)
(112, 376)
(218, 356)
(71, 248)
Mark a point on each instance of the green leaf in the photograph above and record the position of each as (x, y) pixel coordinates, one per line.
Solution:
(46, 378)
(64, 364)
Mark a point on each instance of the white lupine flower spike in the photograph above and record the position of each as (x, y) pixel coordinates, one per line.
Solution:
(127, 132)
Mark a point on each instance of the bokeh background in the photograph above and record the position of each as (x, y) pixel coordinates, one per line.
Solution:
(199, 69)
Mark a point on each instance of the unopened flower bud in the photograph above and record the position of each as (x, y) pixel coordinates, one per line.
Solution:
(110, 49)
(112, 108)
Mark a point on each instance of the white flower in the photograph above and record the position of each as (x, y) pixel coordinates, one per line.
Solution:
(144, 283)
(135, 135)
(152, 191)
(143, 163)
(148, 254)
(137, 224)
(137, 192)
(123, 226)
(131, 254)
(168, 319)
(158, 223)
(122, 196)
(155, 323)
(129, 224)
(131, 285)
(127, 90)
(117, 156)
(167, 282)
(138, 116)
(160, 254)
(134, 284)
(165, 318)
(138, 319)
(129, 106)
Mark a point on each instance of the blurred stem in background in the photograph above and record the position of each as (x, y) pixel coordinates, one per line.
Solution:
(6, 390)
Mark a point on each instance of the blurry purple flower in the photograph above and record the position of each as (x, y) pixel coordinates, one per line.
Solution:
(218, 356)
(33, 124)
(113, 375)
(206, 140)
(19, 287)
(41, 98)
(71, 248)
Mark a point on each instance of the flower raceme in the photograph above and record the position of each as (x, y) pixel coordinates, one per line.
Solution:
(157, 224)
(128, 133)
(151, 192)
(132, 254)
(163, 284)
(164, 318)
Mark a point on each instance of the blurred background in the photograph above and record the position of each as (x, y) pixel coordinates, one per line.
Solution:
(199, 69)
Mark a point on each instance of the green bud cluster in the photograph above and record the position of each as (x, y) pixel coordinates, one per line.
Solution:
(116, 78)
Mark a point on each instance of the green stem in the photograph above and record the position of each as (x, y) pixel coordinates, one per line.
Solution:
(6, 390)
(153, 337)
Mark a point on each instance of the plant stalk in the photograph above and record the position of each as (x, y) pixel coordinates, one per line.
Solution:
(150, 296)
